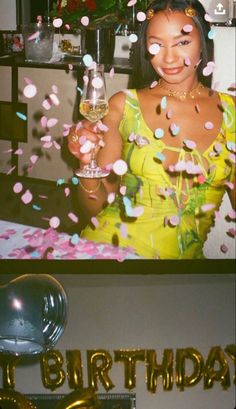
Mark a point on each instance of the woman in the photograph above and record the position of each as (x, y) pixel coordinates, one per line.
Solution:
(176, 136)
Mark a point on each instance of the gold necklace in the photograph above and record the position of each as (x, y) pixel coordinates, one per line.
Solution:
(182, 95)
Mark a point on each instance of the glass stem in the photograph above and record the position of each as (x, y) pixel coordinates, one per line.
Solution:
(93, 162)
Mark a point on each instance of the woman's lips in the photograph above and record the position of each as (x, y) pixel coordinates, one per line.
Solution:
(172, 71)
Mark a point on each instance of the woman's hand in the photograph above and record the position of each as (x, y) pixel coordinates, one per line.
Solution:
(82, 138)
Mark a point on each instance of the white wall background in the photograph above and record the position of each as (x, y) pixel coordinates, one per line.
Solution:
(150, 312)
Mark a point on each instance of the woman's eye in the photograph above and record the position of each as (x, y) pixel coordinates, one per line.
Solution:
(184, 42)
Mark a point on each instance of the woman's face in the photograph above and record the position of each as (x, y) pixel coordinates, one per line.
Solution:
(178, 48)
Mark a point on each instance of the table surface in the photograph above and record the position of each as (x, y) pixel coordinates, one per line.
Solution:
(18, 241)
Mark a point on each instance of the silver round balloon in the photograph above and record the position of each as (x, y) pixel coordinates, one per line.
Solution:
(33, 314)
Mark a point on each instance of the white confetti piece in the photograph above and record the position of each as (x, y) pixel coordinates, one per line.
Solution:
(94, 221)
(54, 98)
(153, 84)
(120, 167)
(131, 3)
(154, 49)
(85, 21)
(54, 222)
(123, 190)
(86, 147)
(208, 125)
(111, 197)
(97, 82)
(133, 38)
(46, 138)
(111, 72)
(74, 239)
(207, 207)
(189, 144)
(187, 28)
(27, 197)
(30, 91)
(18, 187)
(57, 22)
(141, 16)
(87, 60)
(159, 133)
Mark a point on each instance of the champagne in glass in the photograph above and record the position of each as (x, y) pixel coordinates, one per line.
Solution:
(93, 106)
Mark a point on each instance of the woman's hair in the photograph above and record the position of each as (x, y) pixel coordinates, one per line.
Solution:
(143, 72)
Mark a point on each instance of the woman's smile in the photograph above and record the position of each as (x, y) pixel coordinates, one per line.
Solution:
(172, 71)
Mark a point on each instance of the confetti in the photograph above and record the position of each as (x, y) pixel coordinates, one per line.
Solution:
(131, 3)
(56, 145)
(197, 108)
(231, 232)
(187, 61)
(153, 84)
(138, 211)
(207, 207)
(174, 220)
(54, 222)
(201, 179)
(111, 197)
(34, 36)
(94, 221)
(208, 70)
(123, 230)
(154, 49)
(85, 21)
(97, 82)
(174, 129)
(11, 170)
(123, 190)
(47, 104)
(18, 152)
(208, 125)
(36, 207)
(112, 72)
(159, 133)
(141, 16)
(54, 98)
(133, 38)
(169, 114)
(75, 180)
(52, 122)
(67, 191)
(21, 116)
(73, 217)
(231, 146)
(70, 67)
(60, 181)
(160, 156)
(27, 197)
(208, 18)
(189, 144)
(30, 91)
(86, 147)
(224, 248)
(74, 239)
(18, 187)
(46, 138)
(87, 60)
(163, 103)
(188, 28)
(57, 22)
(211, 34)
(232, 214)
(27, 80)
(120, 167)
(230, 185)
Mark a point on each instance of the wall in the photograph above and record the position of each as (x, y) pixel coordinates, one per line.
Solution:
(150, 312)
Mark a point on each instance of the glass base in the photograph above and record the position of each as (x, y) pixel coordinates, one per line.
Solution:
(92, 173)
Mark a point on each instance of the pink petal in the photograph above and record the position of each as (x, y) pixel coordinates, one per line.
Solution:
(47, 145)
(57, 146)
(27, 80)
(46, 138)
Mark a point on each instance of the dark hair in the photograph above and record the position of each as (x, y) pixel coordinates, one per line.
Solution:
(143, 72)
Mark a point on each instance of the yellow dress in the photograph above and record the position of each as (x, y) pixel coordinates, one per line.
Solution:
(156, 218)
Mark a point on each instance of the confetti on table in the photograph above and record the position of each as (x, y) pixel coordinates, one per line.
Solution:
(27, 197)
(73, 217)
(30, 91)
(21, 116)
(18, 187)
(54, 222)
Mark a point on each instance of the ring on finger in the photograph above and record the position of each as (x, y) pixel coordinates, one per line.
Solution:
(74, 138)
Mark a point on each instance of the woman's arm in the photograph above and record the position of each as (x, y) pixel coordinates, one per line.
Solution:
(92, 193)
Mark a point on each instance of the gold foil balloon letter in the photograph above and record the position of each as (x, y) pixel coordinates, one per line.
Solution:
(130, 357)
(74, 369)
(217, 358)
(99, 363)
(53, 375)
(231, 352)
(7, 363)
(183, 380)
(165, 370)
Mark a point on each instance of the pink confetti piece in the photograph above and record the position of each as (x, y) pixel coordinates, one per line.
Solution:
(67, 191)
(112, 72)
(232, 157)
(217, 215)
(208, 70)
(217, 147)
(47, 145)
(52, 122)
(43, 197)
(141, 16)
(97, 83)
(174, 129)
(154, 49)
(43, 121)
(230, 185)
(55, 89)
(10, 170)
(187, 28)
(138, 211)
(67, 26)
(30, 91)
(208, 125)
(86, 147)
(18, 187)
(224, 249)
(18, 152)
(180, 166)
(207, 207)
(34, 158)
(131, 3)
(160, 71)
(54, 98)
(57, 22)
(85, 21)
(123, 190)
(197, 108)
(123, 230)
(187, 61)
(46, 138)
(111, 197)
(47, 104)
(231, 232)
(153, 84)
(174, 220)
(70, 67)
(73, 217)
(27, 80)
(94, 221)
(169, 114)
(85, 79)
(201, 179)
(8, 151)
(27, 197)
(120, 167)
(208, 18)
(34, 36)
(56, 145)
(102, 127)
(232, 214)
(189, 144)
(54, 222)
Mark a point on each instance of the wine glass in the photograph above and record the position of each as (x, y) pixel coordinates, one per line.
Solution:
(93, 106)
